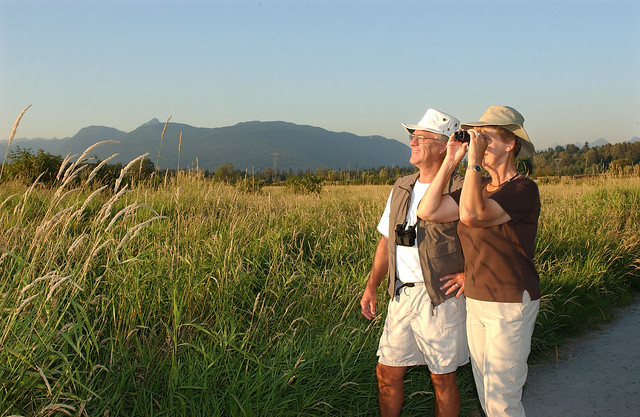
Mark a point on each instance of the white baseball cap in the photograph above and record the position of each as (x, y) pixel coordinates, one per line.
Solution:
(435, 121)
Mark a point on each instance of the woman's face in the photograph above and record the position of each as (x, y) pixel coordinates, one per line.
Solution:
(500, 141)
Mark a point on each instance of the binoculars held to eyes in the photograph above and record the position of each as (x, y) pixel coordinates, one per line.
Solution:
(462, 136)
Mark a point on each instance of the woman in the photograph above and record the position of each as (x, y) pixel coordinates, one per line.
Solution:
(497, 229)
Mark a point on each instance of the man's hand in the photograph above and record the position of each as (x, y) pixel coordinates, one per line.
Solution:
(368, 304)
(452, 283)
(378, 271)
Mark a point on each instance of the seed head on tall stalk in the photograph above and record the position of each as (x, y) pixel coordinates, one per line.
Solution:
(164, 129)
(179, 150)
(11, 136)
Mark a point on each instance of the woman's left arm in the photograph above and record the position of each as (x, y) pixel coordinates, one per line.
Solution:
(486, 213)
(475, 210)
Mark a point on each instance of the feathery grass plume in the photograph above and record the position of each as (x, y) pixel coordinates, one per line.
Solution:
(65, 162)
(48, 275)
(179, 150)
(126, 211)
(88, 200)
(52, 409)
(122, 212)
(23, 202)
(100, 165)
(82, 158)
(133, 232)
(44, 378)
(56, 282)
(77, 243)
(11, 136)
(19, 309)
(94, 251)
(66, 180)
(126, 169)
(164, 129)
(70, 173)
(7, 199)
(105, 211)
(45, 228)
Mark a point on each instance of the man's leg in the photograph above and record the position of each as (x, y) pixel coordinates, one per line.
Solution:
(447, 394)
(390, 389)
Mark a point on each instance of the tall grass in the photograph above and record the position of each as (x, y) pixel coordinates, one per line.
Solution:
(11, 136)
(193, 298)
(588, 254)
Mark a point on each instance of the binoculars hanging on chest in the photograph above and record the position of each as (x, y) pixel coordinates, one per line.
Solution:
(405, 236)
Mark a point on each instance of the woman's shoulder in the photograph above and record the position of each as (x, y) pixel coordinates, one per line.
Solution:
(522, 182)
(525, 188)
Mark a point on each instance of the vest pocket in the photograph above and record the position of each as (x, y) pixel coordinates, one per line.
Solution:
(443, 249)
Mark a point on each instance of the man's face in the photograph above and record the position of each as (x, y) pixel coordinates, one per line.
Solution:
(426, 148)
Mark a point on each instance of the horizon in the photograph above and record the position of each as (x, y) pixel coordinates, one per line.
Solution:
(591, 143)
(571, 67)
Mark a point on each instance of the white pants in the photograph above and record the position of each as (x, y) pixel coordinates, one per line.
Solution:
(499, 336)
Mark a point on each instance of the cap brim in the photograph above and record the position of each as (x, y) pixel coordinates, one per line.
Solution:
(413, 128)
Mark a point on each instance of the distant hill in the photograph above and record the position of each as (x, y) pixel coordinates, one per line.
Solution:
(595, 143)
(248, 146)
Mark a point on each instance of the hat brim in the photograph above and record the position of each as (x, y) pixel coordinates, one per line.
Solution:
(413, 128)
(527, 148)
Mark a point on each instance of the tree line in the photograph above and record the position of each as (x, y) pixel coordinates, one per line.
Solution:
(570, 160)
(573, 160)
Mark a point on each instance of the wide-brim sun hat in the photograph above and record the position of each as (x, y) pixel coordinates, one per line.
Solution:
(435, 121)
(508, 118)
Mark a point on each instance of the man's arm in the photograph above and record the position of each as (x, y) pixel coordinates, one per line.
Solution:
(434, 206)
(378, 272)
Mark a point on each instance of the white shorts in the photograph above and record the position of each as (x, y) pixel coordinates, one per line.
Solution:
(415, 333)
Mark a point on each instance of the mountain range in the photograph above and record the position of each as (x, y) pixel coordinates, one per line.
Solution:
(248, 146)
(251, 146)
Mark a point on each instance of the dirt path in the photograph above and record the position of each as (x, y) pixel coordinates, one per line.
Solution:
(597, 375)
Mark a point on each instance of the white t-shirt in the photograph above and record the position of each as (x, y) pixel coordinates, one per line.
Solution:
(407, 258)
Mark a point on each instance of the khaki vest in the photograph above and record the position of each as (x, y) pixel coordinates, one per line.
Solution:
(438, 244)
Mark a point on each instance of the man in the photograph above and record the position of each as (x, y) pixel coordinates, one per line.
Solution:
(425, 321)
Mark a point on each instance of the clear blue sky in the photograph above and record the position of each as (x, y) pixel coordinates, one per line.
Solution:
(572, 68)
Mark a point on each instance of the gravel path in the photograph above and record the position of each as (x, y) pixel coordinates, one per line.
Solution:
(596, 375)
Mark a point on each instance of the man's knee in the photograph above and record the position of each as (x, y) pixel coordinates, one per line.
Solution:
(390, 375)
(444, 382)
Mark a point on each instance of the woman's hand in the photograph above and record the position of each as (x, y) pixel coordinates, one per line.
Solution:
(452, 283)
(477, 147)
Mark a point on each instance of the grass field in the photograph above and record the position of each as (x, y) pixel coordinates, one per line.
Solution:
(191, 298)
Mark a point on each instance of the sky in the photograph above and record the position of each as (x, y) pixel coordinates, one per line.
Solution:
(572, 68)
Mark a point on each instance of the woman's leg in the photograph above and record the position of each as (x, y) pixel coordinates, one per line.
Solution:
(476, 339)
(509, 327)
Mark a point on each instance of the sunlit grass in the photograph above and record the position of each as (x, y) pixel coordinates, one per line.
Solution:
(193, 298)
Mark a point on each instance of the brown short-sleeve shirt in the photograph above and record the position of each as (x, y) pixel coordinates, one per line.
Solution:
(499, 260)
